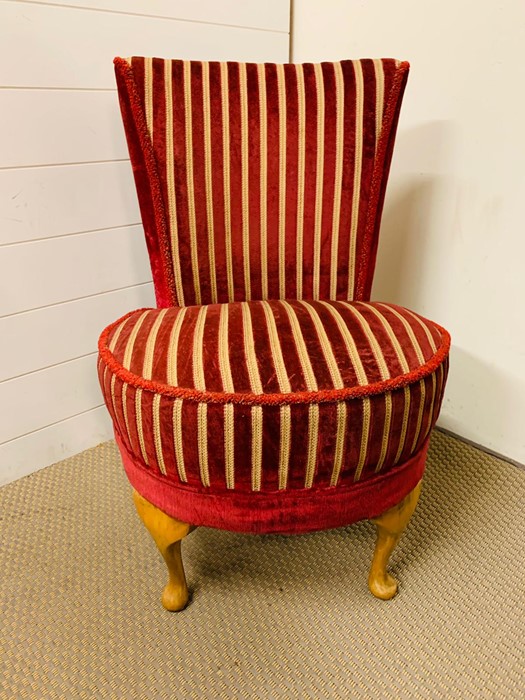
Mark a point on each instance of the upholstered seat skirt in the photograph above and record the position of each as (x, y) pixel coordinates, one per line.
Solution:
(274, 416)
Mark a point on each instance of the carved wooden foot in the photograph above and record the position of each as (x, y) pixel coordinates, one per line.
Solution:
(390, 526)
(167, 533)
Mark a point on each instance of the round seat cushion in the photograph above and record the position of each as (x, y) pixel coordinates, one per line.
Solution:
(274, 416)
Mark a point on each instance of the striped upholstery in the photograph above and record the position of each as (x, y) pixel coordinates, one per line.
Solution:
(266, 393)
(340, 391)
(260, 181)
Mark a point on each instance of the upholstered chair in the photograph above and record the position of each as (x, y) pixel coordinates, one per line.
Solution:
(266, 393)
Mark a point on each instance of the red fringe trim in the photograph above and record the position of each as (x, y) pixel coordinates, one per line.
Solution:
(165, 288)
(378, 185)
(303, 397)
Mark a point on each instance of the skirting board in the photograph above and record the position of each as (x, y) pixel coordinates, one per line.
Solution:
(481, 447)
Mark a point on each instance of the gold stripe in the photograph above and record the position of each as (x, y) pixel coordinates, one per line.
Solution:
(424, 326)
(226, 172)
(358, 158)
(198, 346)
(339, 442)
(319, 83)
(112, 390)
(170, 183)
(404, 424)
(275, 347)
(302, 351)
(326, 346)
(364, 438)
(301, 151)
(249, 350)
(376, 348)
(410, 333)
(284, 445)
(393, 339)
(128, 353)
(138, 419)
(432, 401)
(313, 436)
(380, 96)
(281, 90)
(208, 175)
(386, 431)
(202, 442)
(263, 140)
(439, 392)
(245, 159)
(125, 409)
(422, 390)
(229, 445)
(156, 433)
(257, 436)
(104, 380)
(440, 384)
(224, 357)
(177, 439)
(338, 178)
(116, 335)
(285, 387)
(173, 347)
(189, 181)
(350, 345)
(148, 94)
(147, 367)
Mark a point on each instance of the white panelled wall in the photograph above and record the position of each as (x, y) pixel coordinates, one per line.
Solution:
(72, 254)
(452, 245)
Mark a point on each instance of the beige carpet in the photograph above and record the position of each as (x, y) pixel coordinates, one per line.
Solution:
(271, 617)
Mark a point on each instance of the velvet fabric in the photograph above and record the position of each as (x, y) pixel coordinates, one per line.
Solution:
(260, 181)
(273, 398)
(266, 393)
(284, 512)
(322, 351)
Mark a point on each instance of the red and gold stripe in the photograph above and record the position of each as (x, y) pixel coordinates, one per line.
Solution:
(292, 381)
(285, 158)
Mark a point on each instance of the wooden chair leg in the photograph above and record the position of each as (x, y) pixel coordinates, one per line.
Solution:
(167, 533)
(390, 526)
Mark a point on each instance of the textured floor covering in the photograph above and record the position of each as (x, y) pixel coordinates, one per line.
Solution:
(271, 617)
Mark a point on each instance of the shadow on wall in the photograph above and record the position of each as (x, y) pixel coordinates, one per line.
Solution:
(416, 210)
(475, 384)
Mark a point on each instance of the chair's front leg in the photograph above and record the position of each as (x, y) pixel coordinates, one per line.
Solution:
(167, 533)
(390, 526)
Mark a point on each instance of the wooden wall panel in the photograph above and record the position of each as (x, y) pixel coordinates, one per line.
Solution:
(52, 271)
(72, 253)
(82, 56)
(40, 203)
(44, 337)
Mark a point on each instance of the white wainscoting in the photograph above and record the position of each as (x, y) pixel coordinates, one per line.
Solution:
(72, 253)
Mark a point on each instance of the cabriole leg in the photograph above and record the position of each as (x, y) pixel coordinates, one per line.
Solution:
(167, 533)
(390, 526)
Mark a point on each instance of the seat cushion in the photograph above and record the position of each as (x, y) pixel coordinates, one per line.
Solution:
(267, 397)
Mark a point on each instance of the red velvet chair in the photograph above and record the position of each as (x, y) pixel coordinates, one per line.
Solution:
(266, 393)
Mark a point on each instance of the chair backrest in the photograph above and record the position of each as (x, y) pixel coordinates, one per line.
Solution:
(260, 181)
